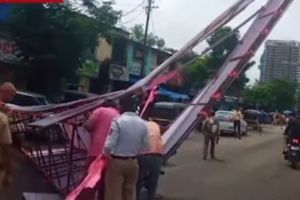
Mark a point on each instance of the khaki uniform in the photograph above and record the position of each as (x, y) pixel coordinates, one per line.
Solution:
(211, 131)
(5, 139)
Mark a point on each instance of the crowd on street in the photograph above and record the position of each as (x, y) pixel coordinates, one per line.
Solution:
(130, 145)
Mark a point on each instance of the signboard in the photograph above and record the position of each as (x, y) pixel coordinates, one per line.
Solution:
(89, 68)
(136, 68)
(118, 73)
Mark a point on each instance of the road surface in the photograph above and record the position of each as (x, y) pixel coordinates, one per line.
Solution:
(26, 178)
(250, 169)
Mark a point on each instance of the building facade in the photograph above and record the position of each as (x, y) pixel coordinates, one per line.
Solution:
(281, 60)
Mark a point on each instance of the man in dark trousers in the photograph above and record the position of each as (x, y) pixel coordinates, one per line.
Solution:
(150, 163)
(211, 132)
(292, 129)
(128, 138)
(237, 117)
(98, 125)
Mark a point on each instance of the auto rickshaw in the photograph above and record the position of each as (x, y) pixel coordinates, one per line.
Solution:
(253, 119)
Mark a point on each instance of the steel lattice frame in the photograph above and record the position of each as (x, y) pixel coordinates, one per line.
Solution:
(64, 163)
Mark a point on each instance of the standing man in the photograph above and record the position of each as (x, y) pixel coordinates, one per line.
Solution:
(98, 125)
(150, 162)
(211, 131)
(7, 92)
(237, 117)
(128, 138)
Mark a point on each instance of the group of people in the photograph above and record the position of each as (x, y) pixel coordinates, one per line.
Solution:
(132, 147)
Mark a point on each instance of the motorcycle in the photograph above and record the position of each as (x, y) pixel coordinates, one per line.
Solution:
(292, 153)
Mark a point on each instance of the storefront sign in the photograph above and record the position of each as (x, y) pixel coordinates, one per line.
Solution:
(119, 73)
(8, 50)
(89, 68)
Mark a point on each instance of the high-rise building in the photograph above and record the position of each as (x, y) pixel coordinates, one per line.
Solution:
(281, 60)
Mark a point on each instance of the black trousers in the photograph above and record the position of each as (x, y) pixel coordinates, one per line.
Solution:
(149, 172)
(237, 128)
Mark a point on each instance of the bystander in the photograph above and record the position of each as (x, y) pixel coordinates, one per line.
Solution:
(7, 92)
(128, 138)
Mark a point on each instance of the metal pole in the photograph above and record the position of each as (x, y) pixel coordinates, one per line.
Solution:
(148, 10)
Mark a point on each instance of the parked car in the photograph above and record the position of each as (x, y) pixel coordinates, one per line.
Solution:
(23, 98)
(164, 113)
(225, 119)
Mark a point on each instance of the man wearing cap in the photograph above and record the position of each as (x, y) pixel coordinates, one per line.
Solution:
(7, 92)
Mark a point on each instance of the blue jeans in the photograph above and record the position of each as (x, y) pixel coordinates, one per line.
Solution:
(149, 172)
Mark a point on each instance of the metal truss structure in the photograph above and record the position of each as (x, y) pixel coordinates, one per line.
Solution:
(64, 162)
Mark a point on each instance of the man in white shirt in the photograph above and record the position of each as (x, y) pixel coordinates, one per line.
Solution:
(128, 138)
(237, 117)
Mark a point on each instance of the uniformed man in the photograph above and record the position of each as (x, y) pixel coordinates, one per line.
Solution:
(7, 92)
(211, 132)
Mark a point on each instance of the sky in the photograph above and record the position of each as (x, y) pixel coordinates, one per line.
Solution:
(177, 21)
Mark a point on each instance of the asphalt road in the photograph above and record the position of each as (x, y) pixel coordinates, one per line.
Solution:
(26, 178)
(250, 169)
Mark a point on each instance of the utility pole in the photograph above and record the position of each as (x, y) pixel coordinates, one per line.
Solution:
(148, 12)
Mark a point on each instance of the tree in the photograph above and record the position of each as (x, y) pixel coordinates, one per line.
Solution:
(138, 34)
(205, 67)
(275, 95)
(56, 35)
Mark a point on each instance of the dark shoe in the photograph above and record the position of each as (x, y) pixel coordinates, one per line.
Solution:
(204, 158)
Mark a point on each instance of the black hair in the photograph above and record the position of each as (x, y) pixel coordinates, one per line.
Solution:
(127, 104)
(110, 103)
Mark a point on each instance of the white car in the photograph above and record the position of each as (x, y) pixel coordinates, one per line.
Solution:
(225, 119)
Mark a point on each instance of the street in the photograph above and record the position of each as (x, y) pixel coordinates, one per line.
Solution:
(252, 168)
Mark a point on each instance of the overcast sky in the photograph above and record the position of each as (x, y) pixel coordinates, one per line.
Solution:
(177, 21)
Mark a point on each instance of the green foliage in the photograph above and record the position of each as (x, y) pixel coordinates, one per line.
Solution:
(138, 34)
(223, 49)
(89, 68)
(205, 67)
(278, 94)
(57, 34)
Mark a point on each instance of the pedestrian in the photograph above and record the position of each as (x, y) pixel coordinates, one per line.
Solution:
(7, 92)
(237, 117)
(200, 118)
(211, 132)
(150, 163)
(128, 138)
(98, 125)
